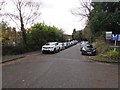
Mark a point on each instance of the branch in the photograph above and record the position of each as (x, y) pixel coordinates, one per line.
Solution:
(22, 6)
(32, 19)
(11, 17)
(83, 11)
(85, 5)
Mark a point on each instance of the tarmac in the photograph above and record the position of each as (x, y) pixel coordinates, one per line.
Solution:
(8, 58)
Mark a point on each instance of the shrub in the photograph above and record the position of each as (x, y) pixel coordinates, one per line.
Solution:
(18, 50)
(6, 50)
(101, 46)
(113, 53)
(11, 50)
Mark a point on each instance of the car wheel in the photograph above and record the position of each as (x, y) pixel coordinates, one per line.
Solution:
(59, 50)
(82, 53)
(54, 51)
(43, 52)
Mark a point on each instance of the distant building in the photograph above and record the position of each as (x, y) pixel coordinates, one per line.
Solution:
(67, 37)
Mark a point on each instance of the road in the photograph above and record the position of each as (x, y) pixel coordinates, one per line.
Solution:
(66, 69)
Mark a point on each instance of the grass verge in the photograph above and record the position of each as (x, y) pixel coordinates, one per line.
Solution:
(101, 58)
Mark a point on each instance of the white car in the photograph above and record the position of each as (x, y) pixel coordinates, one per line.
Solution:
(83, 43)
(51, 47)
(62, 46)
(66, 44)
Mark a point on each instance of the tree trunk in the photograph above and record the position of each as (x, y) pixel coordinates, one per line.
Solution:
(23, 32)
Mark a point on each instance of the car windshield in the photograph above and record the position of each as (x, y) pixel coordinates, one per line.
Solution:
(47, 44)
(60, 43)
(50, 44)
(90, 46)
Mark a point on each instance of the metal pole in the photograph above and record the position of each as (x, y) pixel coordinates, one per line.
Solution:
(115, 45)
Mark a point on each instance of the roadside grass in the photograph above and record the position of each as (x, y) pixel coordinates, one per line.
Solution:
(105, 53)
(102, 58)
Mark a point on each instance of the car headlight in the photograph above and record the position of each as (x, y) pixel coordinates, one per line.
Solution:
(83, 49)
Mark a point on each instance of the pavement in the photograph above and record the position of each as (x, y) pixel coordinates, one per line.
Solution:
(8, 58)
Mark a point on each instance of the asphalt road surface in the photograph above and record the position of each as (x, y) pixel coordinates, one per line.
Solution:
(66, 69)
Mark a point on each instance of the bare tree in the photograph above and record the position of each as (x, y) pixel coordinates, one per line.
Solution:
(84, 10)
(21, 12)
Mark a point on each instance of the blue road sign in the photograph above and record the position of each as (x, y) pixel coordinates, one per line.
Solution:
(119, 37)
(116, 37)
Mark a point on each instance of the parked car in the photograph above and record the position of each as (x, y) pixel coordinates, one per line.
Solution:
(83, 43)
(75, 42)
(66, 44)
(51, 47)
(62, 46)
(88, 49)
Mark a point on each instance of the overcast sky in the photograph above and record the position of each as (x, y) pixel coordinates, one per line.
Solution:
(58, 13)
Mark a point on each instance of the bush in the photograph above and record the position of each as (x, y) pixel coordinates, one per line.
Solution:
(11, 50)
(113, 53)
(18, 50)
(101, 46)
(6, 50)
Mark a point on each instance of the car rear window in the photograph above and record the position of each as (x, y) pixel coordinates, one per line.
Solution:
(90, 46)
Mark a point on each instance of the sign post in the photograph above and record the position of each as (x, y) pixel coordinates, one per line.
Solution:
(114, 37)
(115, 45)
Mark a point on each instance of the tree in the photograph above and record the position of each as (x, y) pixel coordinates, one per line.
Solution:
(8, 35)
(84, 11)
(73, 34)
(40, 34)
(102, 16)
(105, 17)
(22, 13)
(4, 32)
